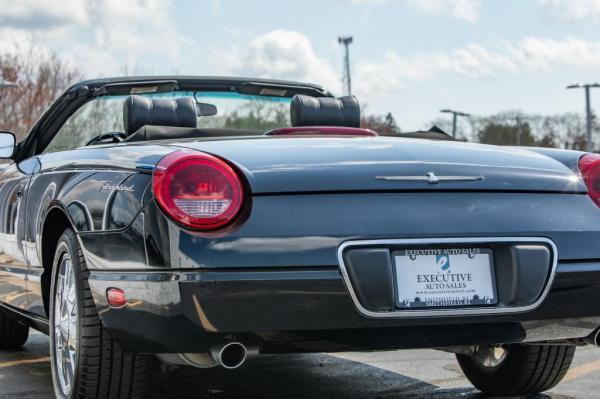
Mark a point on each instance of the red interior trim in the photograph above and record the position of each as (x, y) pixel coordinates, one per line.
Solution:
(321, 131)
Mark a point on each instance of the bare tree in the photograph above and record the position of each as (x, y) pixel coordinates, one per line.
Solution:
(384, 125)
(517, 128)
(41, 77)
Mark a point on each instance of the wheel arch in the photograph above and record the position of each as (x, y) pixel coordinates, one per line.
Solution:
(54, 225)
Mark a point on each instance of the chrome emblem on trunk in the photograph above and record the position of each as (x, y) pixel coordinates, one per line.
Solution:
(430, 178)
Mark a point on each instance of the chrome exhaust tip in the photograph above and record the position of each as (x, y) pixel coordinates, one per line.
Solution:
(593, 338)
(229, 355)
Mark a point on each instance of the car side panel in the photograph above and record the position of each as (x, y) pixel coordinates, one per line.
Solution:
(13, 266)
(95, 197)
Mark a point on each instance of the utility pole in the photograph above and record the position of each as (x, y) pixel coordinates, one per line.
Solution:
(5, 84)
(455, 114)
(346, 41)
(588, 110)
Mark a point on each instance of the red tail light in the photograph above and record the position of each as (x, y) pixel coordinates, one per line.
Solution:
(198, 190)
(116, 298)
(589, 166)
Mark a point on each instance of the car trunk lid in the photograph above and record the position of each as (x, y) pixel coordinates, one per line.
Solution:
(343, 164)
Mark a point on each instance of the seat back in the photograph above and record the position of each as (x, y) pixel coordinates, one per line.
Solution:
(325, 111)
(139, 111)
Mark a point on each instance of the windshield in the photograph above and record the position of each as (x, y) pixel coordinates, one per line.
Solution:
(242, 111)
(250, 114)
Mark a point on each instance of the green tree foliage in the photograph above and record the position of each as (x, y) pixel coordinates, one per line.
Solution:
(262, 118)
(504, 134)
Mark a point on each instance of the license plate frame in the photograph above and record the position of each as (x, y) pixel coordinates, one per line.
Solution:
(469, 271)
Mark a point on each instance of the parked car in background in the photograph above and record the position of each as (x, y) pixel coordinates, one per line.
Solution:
(200, 221)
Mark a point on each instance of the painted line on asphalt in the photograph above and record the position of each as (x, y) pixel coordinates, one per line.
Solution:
(14, 363)
(582, 370)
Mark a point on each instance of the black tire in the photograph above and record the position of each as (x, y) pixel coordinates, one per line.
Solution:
(525, 369)
(13, 334)
(103, 370)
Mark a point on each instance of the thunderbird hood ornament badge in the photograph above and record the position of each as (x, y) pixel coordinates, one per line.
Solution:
(430, 178)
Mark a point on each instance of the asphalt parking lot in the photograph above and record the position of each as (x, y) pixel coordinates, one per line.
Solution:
(397, 374)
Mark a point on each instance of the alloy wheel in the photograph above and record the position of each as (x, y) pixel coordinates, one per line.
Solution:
(66, 322)
(489, 357)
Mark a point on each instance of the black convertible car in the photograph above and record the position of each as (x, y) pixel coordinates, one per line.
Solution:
(201, 221)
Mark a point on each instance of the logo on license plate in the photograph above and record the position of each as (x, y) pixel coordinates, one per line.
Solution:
(443, 262)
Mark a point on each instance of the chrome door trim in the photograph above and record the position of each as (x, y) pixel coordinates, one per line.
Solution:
(447, 312)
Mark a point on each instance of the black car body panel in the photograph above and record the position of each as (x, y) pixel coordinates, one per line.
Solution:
(276, 274)
(341, 164)
(310, 310)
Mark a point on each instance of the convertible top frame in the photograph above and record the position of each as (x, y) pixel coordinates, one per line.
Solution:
(51, 121)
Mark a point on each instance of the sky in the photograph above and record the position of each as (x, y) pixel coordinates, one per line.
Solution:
(409, 57)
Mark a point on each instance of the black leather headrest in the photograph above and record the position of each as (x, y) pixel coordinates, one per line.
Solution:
(139, 111)
(325, 111)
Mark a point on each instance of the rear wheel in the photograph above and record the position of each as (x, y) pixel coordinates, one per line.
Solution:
(517, 369)
(86, 362)
(12, 333)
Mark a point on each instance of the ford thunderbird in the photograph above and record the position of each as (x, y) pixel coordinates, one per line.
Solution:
(195, 221)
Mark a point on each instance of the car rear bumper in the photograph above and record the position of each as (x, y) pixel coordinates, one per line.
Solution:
(311, 309)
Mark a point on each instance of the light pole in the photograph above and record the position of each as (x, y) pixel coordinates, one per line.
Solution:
(455, 114)
(346, 42)
(5, 84)
(588, 109)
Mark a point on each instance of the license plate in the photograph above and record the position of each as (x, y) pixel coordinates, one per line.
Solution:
(445, 277)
